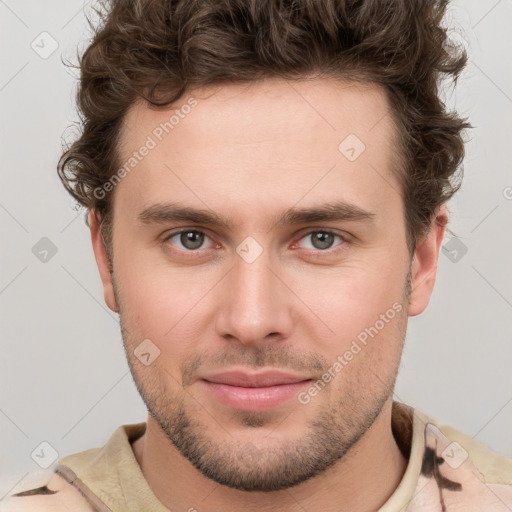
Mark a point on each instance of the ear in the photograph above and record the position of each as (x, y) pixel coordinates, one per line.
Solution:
(100, 253)
(424, 263)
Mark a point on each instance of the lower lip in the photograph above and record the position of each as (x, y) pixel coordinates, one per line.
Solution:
(254, 399)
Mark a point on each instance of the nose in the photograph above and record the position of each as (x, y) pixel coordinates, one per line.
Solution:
(255, 305)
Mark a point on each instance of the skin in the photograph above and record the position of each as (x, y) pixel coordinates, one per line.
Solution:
(247, 152)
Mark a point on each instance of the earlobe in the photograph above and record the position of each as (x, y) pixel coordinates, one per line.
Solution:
(424, 263)
(102, 261)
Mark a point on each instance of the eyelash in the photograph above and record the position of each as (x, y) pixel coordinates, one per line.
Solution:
(314, 252)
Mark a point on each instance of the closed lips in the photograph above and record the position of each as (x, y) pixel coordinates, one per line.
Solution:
(261, 380)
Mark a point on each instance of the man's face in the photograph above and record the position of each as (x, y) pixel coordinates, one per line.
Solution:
(226, 304)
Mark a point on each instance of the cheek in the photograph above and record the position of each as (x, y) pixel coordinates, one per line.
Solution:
(350, 298)
(161, 303)
(366, 312)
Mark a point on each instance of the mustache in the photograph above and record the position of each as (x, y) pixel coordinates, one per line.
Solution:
(268, 356)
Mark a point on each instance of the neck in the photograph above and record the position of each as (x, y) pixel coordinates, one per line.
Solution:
(362, 481)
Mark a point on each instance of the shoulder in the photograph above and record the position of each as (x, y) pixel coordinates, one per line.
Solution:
(48, 492)
(77, 483)
(495, 468)
(459, 473)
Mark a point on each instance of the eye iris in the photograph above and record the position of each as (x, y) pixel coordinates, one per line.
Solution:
(191, 239)
(322, 240)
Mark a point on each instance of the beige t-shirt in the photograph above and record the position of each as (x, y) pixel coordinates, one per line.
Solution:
(447, 471)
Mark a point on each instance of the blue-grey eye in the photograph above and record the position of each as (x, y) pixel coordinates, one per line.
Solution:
(321, 239)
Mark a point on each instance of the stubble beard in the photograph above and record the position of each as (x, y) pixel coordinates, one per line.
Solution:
(244, 465)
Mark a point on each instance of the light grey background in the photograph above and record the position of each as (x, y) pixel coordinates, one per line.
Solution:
(63, 374)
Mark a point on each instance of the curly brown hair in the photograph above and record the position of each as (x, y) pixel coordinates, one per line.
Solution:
(157, 50)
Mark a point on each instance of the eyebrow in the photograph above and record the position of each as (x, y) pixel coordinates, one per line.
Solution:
(328, 212)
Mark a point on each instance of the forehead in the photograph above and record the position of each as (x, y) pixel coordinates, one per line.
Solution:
(273, 138)
(249, 110)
